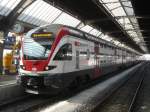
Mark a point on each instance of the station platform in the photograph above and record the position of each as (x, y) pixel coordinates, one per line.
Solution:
(7, 79)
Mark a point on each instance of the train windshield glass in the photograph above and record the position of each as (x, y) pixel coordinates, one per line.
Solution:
(37, 42)
(37, 47)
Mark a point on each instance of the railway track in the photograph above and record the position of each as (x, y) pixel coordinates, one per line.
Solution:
(12, 101)
(137, 92)
(28, 103)
(141, 101)
(125, 98)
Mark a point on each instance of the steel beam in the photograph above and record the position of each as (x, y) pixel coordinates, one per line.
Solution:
(7, 22)
(114, 2)
(91, 21)
(102, 8)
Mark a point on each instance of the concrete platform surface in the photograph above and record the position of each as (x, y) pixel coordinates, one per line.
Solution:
(7, 77)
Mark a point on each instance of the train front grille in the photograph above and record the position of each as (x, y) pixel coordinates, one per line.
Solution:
(32, 81)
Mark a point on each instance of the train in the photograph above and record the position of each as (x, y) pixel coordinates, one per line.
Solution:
(54, 57)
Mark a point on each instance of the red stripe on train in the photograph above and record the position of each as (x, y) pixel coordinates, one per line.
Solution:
(60, 34)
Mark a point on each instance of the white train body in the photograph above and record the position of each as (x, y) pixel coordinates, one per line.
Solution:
(54, 56)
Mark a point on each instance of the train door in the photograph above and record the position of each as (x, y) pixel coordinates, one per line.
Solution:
(68, 62)
(97, 62)
(77, 59)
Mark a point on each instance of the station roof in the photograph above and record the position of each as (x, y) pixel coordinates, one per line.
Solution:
(112, 20)
(142, 13)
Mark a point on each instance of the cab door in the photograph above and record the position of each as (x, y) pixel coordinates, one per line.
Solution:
(68, 60)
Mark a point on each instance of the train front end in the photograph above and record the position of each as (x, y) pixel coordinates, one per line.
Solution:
(35, 68)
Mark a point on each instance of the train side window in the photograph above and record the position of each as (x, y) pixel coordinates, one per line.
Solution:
(64, 53)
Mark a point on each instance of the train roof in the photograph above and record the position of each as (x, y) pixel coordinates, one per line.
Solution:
(80, 33)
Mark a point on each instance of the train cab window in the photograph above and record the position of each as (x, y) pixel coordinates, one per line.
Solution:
(64, 53)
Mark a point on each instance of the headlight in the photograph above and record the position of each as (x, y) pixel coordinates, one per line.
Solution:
(46, 68)
(23, 67)
(50, 67)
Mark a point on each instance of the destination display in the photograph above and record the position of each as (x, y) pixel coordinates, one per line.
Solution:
(41, 35)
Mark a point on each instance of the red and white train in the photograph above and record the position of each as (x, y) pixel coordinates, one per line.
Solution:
(55, 56)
